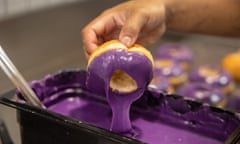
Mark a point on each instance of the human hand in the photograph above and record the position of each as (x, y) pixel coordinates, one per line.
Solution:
(136, 21)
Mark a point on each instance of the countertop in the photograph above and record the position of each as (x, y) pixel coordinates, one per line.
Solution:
(49, 40)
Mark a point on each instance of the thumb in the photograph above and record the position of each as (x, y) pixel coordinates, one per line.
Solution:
(131, 29)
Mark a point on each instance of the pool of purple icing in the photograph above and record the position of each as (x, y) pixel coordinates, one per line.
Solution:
(156, 117)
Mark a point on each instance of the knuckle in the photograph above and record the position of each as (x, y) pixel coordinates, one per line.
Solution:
(142, 12)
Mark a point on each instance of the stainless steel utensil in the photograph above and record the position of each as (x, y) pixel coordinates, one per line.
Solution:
(15, 76)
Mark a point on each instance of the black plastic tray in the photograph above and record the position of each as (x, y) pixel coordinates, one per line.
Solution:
(40, 126)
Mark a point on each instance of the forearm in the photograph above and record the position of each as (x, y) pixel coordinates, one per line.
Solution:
(220, 17)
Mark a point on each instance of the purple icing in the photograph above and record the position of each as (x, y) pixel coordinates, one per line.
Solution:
(160, 83)
(157, 118)
(172, 70)
(219, 80)
(55, 85)
(102, 68)
(135, 64)
(202, 92)
(178, 52)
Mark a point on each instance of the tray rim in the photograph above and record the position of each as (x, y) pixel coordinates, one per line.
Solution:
(5, 99)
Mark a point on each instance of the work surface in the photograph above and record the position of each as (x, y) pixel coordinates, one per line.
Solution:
(50, 40)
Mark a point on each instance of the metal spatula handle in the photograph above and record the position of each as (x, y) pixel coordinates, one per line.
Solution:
(17, 79)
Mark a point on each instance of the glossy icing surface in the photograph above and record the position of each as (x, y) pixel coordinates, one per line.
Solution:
(156, 118)
(145, 128)
(134, 66)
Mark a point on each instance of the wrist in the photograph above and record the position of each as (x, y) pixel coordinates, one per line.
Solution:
(176, 13)
(170, 9)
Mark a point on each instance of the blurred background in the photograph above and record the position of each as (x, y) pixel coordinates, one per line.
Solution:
(10, 8)
(44, 36)
(36, 32)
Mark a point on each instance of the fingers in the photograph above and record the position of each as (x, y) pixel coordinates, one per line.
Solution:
(131, 29)
(95, 32)
(130, 22)
(151, 36)
(90, 41)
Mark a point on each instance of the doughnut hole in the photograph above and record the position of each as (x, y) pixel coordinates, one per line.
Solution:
(122, 82)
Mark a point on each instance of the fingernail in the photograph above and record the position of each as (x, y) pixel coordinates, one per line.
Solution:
(126, 40)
